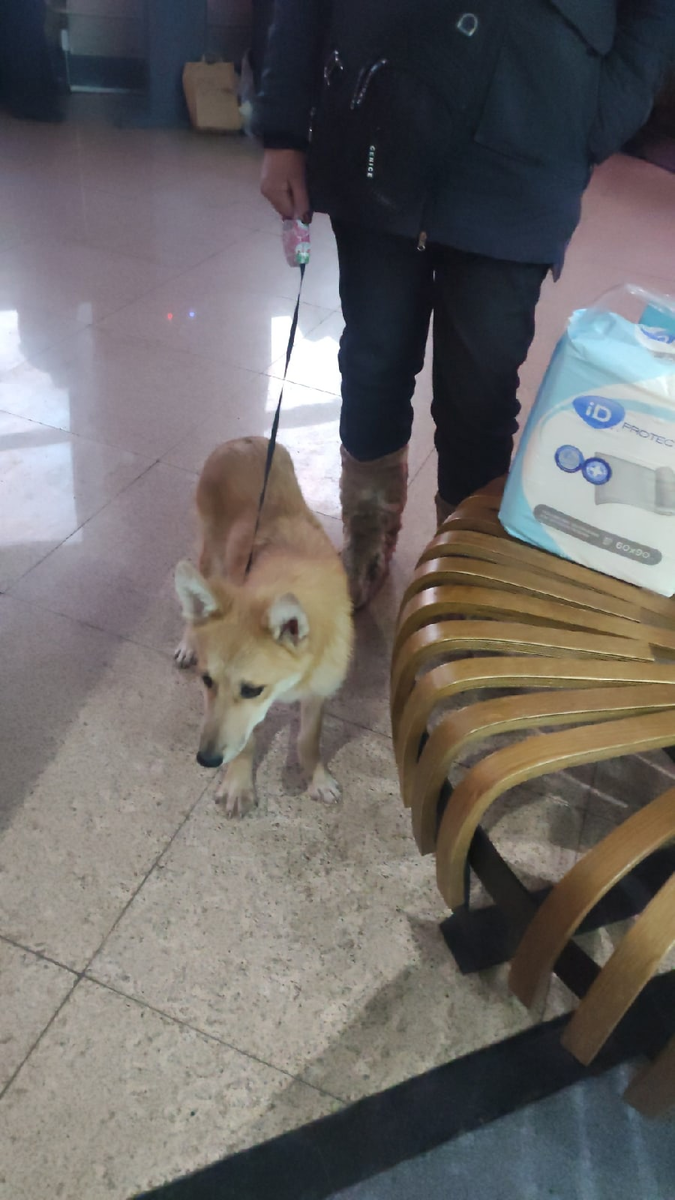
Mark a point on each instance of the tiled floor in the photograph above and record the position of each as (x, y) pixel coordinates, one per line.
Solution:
(174, 986)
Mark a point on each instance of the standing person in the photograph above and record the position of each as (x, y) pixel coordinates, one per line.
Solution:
(451, 149)
(27, 78)
(27, 83)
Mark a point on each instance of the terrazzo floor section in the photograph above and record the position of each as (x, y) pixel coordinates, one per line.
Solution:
(175, 987)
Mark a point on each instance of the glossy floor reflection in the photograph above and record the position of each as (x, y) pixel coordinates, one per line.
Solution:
(175, 987)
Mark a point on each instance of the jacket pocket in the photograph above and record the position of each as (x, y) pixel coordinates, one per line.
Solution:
(378, 137)
(543, 95)
(625, 100)
(625, 91)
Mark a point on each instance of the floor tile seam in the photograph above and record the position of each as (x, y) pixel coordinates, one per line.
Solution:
(623, 805)
(12, 245)
(6, 1088)
(583, 825)
(602, 259)
(30, 240)
(163, 191)
(415, 474)
(216, 359)
(177, 466)
(90, 977)
(290, 296)
(132, 258)
(165, 655)
(51, 344)
(156, 262)
(153, 191)
(146, 876)
(83, 525)
(580, 784)
(180, 272)
(81, 971)
(330, 516)
(39, 954)
(97, 325)
(149, 460)
(179, 350)
(337, 716)
(40, 606)
(584, 801)
(209, 416)
(330, 313)
(290, 382)
(308, 387)
(172, 277)
(176, 272)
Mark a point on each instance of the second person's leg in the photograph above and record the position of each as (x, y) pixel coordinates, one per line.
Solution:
(386, 289)
(483, 327)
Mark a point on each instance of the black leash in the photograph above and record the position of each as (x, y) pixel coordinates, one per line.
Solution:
(275, 423)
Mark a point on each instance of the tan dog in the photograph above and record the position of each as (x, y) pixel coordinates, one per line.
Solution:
(281, 633)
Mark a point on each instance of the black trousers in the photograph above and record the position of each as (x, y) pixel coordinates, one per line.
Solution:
(483, 323)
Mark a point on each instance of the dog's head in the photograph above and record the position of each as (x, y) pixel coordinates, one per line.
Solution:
(251, 650)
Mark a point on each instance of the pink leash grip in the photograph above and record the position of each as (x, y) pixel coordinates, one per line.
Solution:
(295, 239)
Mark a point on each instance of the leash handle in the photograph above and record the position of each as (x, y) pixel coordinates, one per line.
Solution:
(271, 445)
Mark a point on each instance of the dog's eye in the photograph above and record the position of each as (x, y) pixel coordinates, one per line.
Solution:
(207, 681)
(248, 691)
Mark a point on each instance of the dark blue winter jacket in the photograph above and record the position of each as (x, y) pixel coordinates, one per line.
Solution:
(478, 126)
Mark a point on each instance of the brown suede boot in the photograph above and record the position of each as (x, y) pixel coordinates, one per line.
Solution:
(373, 496)
(443, 509)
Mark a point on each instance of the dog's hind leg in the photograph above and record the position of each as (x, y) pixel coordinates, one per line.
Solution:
(322, 786)
(237, 792)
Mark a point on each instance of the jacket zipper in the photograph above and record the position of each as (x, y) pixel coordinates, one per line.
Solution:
(422, 241)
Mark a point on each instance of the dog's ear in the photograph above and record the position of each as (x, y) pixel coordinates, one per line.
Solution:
(197, 600)
(287, 622)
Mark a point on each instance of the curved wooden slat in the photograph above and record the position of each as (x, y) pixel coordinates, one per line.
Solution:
(633, 963)
(476, 572)
(536, 605)
(483, 522)
(477, 544)
(652, 1090)
(456, 537)
(439, 603)
(570, 901)
(453, 678)
(536, 756)
(465, 726)
(455, 637)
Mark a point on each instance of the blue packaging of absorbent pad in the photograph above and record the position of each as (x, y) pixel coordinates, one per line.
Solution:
(593, 479)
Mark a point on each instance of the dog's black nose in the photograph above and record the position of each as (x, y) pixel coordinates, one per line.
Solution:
(209, 760)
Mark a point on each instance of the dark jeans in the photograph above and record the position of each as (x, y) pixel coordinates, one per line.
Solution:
(483, 312)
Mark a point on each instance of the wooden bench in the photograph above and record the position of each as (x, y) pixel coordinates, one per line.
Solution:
(591, 661)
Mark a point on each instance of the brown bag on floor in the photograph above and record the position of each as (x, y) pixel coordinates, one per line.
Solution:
(211, 96)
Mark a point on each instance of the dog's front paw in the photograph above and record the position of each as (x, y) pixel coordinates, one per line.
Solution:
(323, 787)
(184, 655)
(236, 801)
